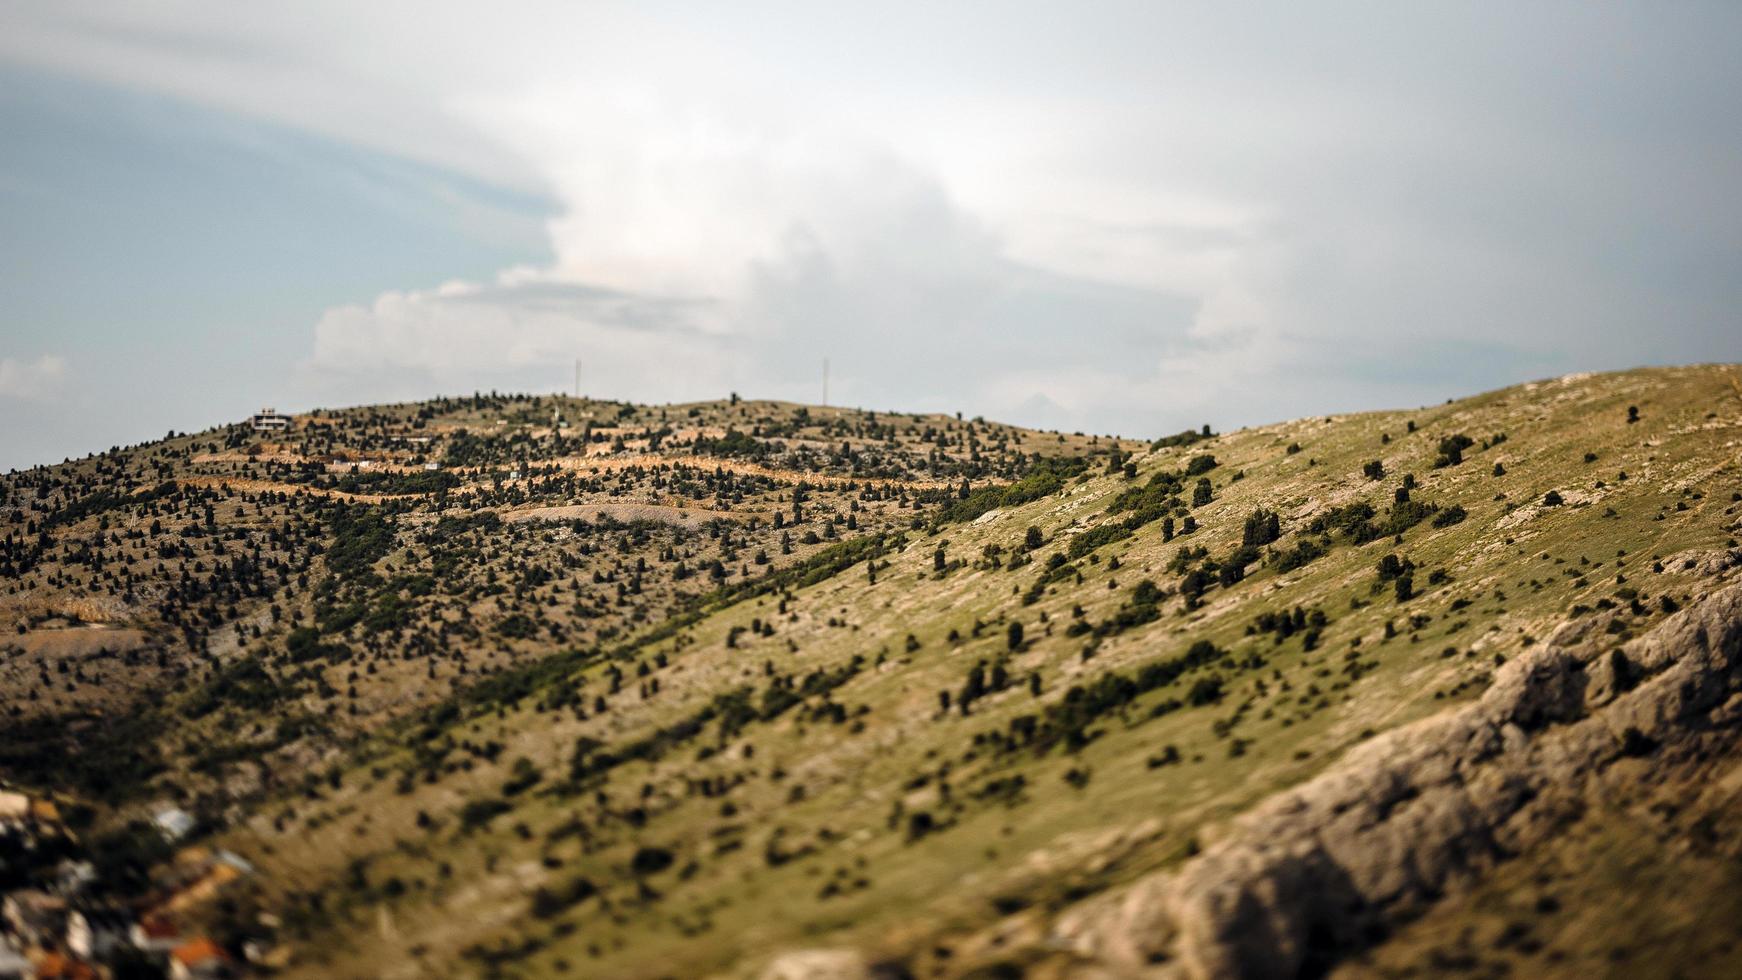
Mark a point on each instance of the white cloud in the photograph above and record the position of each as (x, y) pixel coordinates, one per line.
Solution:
(520, 331)
(1125, 217)
(785, 214)
(31, 379)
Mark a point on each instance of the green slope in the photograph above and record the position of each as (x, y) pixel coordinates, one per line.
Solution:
(780, 772)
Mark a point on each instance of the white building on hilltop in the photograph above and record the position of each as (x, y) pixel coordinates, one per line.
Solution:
(268, 420)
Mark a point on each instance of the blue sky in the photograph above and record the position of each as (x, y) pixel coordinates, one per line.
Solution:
(175, 257)
(1121, 217)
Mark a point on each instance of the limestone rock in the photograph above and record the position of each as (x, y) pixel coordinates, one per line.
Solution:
(1320, 870)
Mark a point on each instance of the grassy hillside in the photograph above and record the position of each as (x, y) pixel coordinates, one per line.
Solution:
(295, 590)
(510, 717)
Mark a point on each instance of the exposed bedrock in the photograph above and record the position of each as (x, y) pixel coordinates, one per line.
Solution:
(1325, 868)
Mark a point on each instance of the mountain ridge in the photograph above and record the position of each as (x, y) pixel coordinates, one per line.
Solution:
(933, 689)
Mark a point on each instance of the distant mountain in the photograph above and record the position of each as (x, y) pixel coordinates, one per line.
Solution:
(1041, 411)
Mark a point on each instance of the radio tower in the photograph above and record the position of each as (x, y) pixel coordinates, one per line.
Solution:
(825, 382)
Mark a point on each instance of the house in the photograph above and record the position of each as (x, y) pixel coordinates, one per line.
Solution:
(200, 959)
(205, 887)
(96, 932)
(268, 420)
(71, 877)
(53, 965)
(264, 952)
(14, 808)
(234, 860)
(155, 935)
(199, 875)
(13, 965)
(35, 917)
(173, 823)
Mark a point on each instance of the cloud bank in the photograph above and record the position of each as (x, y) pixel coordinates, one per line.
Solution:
(31, 380)
(1131, 217)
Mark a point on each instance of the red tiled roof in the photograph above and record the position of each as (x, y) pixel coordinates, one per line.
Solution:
(201, 950)
(158, 927)
(59, 966)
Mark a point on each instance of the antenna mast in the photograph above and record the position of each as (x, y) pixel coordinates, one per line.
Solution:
(825, 382)
(577, 378)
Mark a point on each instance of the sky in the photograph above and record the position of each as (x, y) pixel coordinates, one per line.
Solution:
(1114, 217)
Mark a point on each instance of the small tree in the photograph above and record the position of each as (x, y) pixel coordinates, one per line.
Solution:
(1262, 528)
(974, 688)
(1452, 450)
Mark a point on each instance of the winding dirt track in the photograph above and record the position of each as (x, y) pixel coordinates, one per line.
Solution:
(623, 510)
(630, 511)
(737, 467)
(598, 463)
(268, 486)
(620, 509)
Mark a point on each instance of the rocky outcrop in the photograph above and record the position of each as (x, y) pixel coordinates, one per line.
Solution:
(1325, 869)
(818, 964)
(1321, 870)
(1712, 563)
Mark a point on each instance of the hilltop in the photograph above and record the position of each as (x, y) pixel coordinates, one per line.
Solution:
(530, 686)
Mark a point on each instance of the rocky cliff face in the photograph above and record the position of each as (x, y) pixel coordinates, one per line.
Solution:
(1327, 868)
(1331, 867)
